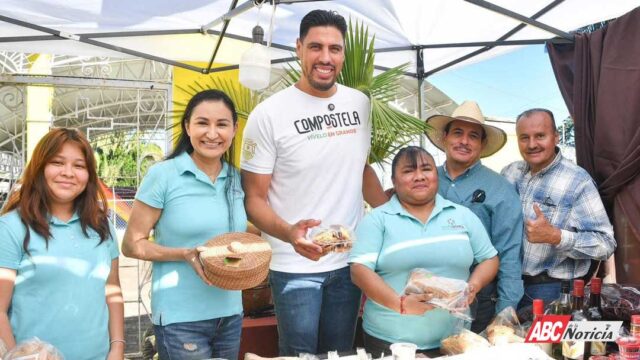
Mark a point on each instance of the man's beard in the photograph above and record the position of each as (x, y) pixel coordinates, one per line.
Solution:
(318, 85)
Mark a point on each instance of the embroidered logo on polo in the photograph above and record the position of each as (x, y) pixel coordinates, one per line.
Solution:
(452, 225)
(328, 125)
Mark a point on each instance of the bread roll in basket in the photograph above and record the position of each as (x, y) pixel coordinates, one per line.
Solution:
(236, 261)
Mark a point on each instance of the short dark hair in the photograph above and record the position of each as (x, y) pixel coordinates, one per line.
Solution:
(527, 113)
(412, 154)
(322, 18)
(447, 128)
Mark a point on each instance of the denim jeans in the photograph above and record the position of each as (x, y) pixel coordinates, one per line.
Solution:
(548, 292)
(197, 340)
(483, 309)
(316, 312)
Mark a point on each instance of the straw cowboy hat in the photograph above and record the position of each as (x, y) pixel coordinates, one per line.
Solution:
(469, 111)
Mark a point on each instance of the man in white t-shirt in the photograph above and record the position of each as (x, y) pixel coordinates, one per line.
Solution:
(304, 164)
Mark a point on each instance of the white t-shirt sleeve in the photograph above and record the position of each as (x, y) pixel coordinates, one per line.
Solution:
(258, 144)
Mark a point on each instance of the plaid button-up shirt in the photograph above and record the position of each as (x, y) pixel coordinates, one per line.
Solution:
(568, 197)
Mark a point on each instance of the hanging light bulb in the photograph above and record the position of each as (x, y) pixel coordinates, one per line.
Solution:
(255, 63)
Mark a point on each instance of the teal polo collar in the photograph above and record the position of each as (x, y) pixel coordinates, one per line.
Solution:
(469, 171)
(55, 221)
(394, 207)
(185, 163)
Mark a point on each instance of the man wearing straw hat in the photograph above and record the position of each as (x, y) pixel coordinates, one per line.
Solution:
(465, 138)
(304, 164)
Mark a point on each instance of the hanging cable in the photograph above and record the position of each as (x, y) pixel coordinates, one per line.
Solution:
(273, 16)
(258, 4)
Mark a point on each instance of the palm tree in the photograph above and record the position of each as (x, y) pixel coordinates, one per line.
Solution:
(391, 128)
(123, 158)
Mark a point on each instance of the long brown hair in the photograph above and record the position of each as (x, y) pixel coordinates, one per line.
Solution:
(31, 200)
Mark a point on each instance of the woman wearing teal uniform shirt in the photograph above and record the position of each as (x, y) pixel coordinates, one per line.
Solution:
(417, 228)
(59, 255)
(187, 199)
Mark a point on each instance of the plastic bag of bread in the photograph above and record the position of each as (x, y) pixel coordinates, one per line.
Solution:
(3, 349)
(34, 349)
(505, 328)
(335, 238)
(446, 293)
(462, 342)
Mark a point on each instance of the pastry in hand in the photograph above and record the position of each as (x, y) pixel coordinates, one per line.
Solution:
(337, 238)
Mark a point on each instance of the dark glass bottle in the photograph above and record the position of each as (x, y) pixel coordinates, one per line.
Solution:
(594, 310)
(572, 350)
(577, 301)
(594, 313)
(561, 306)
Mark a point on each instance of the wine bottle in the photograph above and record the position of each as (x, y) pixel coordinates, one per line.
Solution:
(594, 313)
(538, 312)
(572, 350)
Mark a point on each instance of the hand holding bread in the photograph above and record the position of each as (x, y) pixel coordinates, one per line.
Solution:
(445, 293)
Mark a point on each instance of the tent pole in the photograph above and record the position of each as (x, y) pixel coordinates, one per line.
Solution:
(80, 38)
(476, 44)
(224, 31)
(228, 15)
(529, 21)
(503, 37)
(420, 76)
(421, 98)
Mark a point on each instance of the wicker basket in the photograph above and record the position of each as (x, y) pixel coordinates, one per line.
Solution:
(236, 261)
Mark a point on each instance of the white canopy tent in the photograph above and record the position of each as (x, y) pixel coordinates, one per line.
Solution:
(429, 34)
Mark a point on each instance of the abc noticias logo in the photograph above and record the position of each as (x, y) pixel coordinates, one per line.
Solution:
(557, 328)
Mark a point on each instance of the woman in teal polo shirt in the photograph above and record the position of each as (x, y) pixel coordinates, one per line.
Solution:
(59, 255)
(416, 229)
(187, 199)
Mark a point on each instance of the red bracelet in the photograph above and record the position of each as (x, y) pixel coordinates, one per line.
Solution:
(402, 311)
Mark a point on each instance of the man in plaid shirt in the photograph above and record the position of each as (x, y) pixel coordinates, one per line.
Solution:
(566, 225)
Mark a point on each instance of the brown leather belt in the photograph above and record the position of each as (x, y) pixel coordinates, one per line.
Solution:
(542, 278)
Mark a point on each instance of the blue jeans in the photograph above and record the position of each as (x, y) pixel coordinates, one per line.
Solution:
(316, 312)
(197, 340)
(548, 292)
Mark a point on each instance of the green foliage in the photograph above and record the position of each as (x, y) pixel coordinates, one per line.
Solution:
(117, 158)
(244, 99)
(567, 132)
